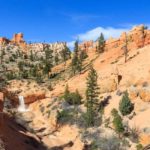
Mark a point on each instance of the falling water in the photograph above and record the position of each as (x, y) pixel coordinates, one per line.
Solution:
(22, 107)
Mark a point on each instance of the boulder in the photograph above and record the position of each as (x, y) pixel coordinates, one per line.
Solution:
(144, 94)
(144, 139)
(133, 92)
(108, 85)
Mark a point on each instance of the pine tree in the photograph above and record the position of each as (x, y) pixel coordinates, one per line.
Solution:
(56, 58)
(125, 48)
(101, 43)
(76, 62)
(91, 96)
(31, 56)
(125, 105)
(2, 53)
(48, 64)
(117, 121)
(66, 93)
(65, 54)
(83, 55)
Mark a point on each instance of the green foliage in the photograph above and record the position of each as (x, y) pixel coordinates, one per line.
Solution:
(21, 65)
(101, 43)
(31, 56)
(50, 87)
(39, 78)
(134, 134)
(76, 62)
(65, 54)
(64, 116)
(73, 98)
(114, 112)
(56, 58)
(48, 62)
(83, 55)
(125, 106)
(109, 143)
(11, 75)
(139, 146)
(117, 122)
(92, 93)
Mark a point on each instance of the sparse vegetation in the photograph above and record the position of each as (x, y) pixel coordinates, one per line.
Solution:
(92, 92)
(101, 43)
(64, 116)
(72, 98)
(139, 147)
(117, 122)
(125, 106)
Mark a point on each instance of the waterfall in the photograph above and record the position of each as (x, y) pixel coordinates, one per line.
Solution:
(22, 107)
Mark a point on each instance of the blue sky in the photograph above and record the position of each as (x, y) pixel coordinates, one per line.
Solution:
(67, 20)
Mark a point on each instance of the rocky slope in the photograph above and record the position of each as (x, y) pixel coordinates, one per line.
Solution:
(44, 103)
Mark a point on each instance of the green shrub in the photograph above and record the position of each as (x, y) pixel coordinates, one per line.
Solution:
(139, 146)
(125, 106)
(73, 98)
(134, 134)
(117, 122)
(64, 116)
(10, 75)
(107, 143)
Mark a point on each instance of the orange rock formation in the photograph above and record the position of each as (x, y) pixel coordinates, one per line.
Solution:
(17, 39)
(136, 38)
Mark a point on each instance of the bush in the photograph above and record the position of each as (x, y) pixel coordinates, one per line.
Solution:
(139, 146)
(11, 75)
(134, 134)
(73, 98)
(125, 106)
(107, 143)
(117, 121)
(64, 116)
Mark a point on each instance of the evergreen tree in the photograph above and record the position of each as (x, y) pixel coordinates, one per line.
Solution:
(48, 62)
(65, 54)
(72, 98)
(91, 96)
(125, 47)
(2, 52)
(101, 43)
(83, 55)
(117, 121)
(21, 66)
(31, 56)
(76, 62)
(125, 105)
(56, 58)
(66, 93)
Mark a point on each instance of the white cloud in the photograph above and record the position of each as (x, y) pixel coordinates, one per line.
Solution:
(71, 44)
(95, 33)
(107, 31)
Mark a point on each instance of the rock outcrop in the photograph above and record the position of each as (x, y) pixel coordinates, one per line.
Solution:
(32, 94)
(138, 37)
(17, 39)
(4, 40)
(108, 85)
(144, 94)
